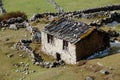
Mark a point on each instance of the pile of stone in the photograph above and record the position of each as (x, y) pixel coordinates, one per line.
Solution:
(24, 45)
(36, 58)
(52, 64)
(19, 21)
(114, 16)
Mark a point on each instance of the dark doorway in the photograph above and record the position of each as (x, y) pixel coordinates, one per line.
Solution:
(58, 56)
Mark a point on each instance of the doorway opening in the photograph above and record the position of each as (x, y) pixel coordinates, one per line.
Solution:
(58, 56)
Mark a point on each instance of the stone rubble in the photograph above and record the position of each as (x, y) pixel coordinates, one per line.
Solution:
(36, 58)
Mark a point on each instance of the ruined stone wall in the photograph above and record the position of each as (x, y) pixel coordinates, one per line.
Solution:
(69, 56)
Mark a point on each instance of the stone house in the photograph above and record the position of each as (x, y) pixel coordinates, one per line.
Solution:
(71, 41)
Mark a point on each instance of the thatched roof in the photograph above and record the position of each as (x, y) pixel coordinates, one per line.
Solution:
(68, 30)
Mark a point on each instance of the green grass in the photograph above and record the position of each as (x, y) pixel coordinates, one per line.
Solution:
(39, 6)
(7, 70)
(84, 4)
(68, 72)
(28, 6)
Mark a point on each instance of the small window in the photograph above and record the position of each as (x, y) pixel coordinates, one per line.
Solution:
(65, 45)
(50, 39)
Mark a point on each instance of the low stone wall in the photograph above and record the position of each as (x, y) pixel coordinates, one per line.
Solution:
(114, 16)
(79, 13)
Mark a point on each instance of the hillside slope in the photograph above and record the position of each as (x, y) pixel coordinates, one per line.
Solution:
(38, 6)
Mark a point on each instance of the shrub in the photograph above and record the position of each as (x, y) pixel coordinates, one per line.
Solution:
(7, 16)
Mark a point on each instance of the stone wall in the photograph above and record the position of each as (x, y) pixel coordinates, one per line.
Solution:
(113, 16)
(69, 56)
(80, 13)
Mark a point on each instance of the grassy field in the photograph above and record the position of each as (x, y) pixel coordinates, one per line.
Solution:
(67, 72)
(38, 6)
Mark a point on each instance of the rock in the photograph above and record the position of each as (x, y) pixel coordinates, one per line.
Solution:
(26, 72)
(89, 78)
(41, 64)
(13, 27)
(29, 28)
(3, 29)
(37, 63)
(27, 65)
(46, 64)
(55, 63)
(17, 70)
(21, 63)
(35, 16)
(33, 71)
(61, 62)
(10, 55)
(21, 55)
(51, 65)
(17, 65)
(98, 63)
(105, 72)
